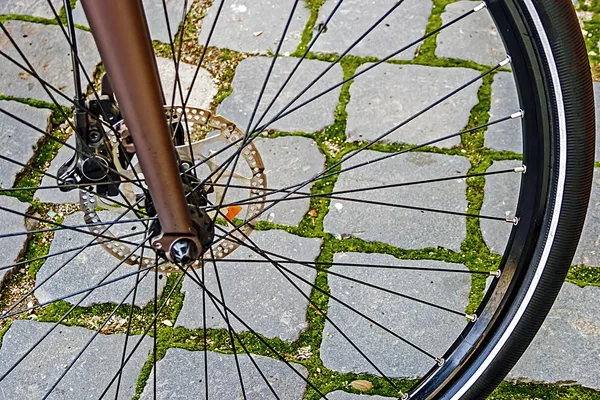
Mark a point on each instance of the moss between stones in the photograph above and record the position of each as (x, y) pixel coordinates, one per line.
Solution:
(332, 141)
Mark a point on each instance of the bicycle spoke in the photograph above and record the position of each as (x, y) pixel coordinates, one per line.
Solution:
(128, 332)
(90, 291)
(89, 342)
(286, 111)
(70, 250)
(229, 327)
(216, 302)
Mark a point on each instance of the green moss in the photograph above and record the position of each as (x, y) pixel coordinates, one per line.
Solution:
(307, 33)
(582, 275)
(508, 391)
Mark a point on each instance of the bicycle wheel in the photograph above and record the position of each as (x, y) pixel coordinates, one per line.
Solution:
(395, 196)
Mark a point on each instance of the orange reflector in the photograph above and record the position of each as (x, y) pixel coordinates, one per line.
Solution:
(232, 212)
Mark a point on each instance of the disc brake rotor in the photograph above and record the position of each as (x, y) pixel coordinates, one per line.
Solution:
(210, 136)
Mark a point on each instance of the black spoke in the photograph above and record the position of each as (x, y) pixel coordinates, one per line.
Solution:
(281, 269)
(284, 113)
(142, 336)
(73, 307)
(216, 302)
(295, 69)
(59, 253)
(89, 342)
(229, 327)
(252, 246)
(128, 332)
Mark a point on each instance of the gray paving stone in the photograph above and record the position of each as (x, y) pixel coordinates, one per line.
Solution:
(257, 292)
(90, 266)
(255, 27)
(339, 395)
(407, 318)
(403, 26)
(289, 160)
(507, 135)
(88, 378)
(388, 95)
(48, 51)
(408, 229)
(473, 38)
(55, 195)
(567, 347)
(204, 87)
(500, 200)
(155, 14)
(597, 100)
(35, 8)
(249, 79)
(18, 141)
(173, 373)
(588, 252)
(11, 247)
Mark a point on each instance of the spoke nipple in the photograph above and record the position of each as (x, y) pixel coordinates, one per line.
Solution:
(514, 220)
(522, 169)
(507, 60)
(403, 396)
(472, 318)
(440, 362)
(480, 6)
(518, 114)
(496, 273)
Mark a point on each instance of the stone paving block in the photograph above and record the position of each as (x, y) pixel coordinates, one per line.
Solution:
(597, 100)
(173, 375)
(257, 292)
(407, 318)
(473, 38)
(88, 268)
(507, 135)
(55, 195)
(11, 247)
(339, 395)
(588, 252)
(402, 27)
(35, 8)
(255, 27)
(500, 200)
(407, 229)
(389, 95)
(155, 14)
(88, 377)
(249, 79)
(289, 160)
(18, 141)
(204, 88)
(567, 347)
(48, 51)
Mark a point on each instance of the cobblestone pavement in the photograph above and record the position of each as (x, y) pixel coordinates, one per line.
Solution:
(338, 343)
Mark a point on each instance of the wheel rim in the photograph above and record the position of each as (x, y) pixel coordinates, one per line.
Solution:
(323, 263)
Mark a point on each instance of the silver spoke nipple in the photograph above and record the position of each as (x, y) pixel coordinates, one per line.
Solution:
(472, 317)
(522, 169)
(440, 362)
(403, 396)
(519, 114)
(496, 273)
(514, 220)
(507, 60)
(480, 6)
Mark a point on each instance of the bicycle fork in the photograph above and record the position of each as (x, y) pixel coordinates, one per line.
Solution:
(121, 33)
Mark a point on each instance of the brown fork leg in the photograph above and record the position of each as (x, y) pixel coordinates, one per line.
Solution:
(121, 33)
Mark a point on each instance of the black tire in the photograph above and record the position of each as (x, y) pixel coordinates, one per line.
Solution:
(551, 68)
